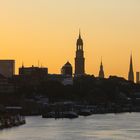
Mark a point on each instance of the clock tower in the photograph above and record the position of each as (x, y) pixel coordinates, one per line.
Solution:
(79, 59)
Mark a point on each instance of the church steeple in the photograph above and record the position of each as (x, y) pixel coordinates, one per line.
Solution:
(79, 43)
(22, 64)
(79, 33)
(101, 71)
(79, 59)
(131, 72)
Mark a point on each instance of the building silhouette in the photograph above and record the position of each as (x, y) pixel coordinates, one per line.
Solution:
(101, 71)
(33, 71)
(131, 72)
(79, 59)
(67, 69)
(7, 68)
(138, 77)
(6, 86)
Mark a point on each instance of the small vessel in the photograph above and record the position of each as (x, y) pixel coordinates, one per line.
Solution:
(65, 114)
(85, 112)
(70, 114)
(49, 115)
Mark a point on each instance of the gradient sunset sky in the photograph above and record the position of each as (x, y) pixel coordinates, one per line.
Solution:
(47, 30)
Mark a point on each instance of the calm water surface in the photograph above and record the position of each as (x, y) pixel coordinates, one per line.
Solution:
(95, 127)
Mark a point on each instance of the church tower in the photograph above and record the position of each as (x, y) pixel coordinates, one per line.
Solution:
(101, 71)
(131, 72)
(79, 59)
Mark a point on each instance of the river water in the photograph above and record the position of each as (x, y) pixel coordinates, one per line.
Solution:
(125, 126)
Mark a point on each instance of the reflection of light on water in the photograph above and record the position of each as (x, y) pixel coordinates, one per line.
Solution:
(112, 135)
(95, 127)
(106, 134)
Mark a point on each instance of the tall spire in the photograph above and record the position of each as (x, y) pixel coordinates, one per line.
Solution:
(101, 61)
(101, 71)
(79, 33)
(22, 64)
(79, 59)
(79, 43)
(131, 72)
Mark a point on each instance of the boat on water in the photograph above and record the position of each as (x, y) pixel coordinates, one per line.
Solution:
(49, 115)
(65, 114)
(85, 112)
(70, 114)
(11, 117)
(60, 110)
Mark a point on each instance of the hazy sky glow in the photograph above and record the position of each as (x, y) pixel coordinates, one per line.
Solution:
(46, 30)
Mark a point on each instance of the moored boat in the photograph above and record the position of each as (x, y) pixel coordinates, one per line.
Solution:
(70, 114)
(84, 112)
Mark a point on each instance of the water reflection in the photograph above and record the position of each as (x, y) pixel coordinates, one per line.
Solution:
(95, 127)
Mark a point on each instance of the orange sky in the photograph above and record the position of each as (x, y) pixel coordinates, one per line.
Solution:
(46, 30)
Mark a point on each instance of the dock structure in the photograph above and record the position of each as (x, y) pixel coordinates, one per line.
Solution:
(10, 117)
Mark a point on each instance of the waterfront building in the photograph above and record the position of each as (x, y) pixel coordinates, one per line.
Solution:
(7, 68)
(79, 59)
(67, 69)
(5, 85)
(33, 71)
(138, 77)
(55, 77)
(32, 75)
(101, 71)
(131, 72)
(63, 79)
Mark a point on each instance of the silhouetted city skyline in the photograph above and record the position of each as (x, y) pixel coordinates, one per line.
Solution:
(54, 73)
(109, 29)
(79, 68)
